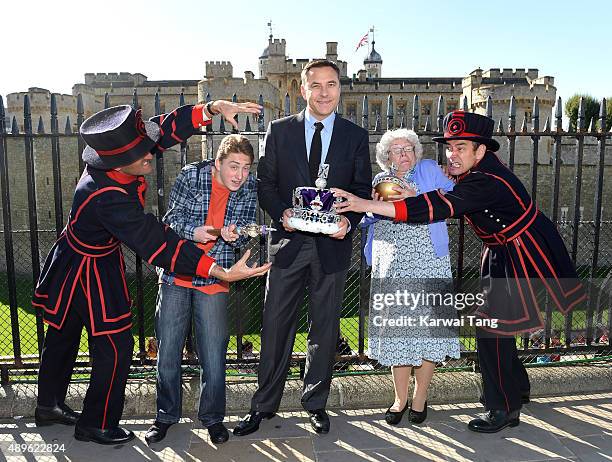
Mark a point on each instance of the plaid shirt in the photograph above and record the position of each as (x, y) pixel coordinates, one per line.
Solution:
(188, 208)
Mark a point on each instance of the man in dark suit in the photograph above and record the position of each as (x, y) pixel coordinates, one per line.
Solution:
(295, 147)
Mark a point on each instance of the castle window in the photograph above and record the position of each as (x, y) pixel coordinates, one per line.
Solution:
(280, 84)
(426, 109)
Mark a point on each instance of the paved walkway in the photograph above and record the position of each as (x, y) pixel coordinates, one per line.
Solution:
(577, 428)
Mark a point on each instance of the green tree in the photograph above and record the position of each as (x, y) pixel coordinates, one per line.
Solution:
(591, 109)
(608, 113)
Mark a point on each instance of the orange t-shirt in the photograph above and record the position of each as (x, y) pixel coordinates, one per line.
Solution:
(216, 215)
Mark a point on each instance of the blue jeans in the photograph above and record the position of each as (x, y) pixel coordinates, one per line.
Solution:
(175, 306)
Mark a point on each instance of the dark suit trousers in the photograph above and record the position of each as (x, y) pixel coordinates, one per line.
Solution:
(111, 356)
(504, 378)
(284, 294)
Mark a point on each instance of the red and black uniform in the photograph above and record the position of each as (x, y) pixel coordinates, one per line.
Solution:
(523, 253)
(83, 279)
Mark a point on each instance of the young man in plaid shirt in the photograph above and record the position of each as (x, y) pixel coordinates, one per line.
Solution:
(209, 194)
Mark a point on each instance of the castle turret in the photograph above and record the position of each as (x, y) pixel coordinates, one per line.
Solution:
(373, 64)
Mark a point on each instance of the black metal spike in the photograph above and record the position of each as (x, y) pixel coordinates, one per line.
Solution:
(535, 116)
(489, 107)
(464, 103)
(377, 123)
(2, 117)
(512, 114)
(602, 115)
(68, 127)
(547, 124)
(364, 113)
(41, 126)
(415, 113)
(27, 115)
(524, 125)
(500, 126)
(260, 118)
(106, 100)
(287, 105)
(14, 127)
(580, 126)
(440, 113)
(157, 104)
(389, 112)
(182, 99)
(592, 124)
(559, 115)
(80, 110)
(247, 125)
(54, 122)
(135, 99)
(428, 124)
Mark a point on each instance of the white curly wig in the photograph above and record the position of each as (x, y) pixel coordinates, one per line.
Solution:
(382, 148)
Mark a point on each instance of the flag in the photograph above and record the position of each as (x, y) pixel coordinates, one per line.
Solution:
(363, 41)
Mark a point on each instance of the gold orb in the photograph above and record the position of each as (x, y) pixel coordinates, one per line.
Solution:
(384, 186)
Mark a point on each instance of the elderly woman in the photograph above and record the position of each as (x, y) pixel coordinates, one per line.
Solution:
(415, 259)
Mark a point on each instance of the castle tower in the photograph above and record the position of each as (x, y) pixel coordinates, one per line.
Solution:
(332, 51)
(373, 64)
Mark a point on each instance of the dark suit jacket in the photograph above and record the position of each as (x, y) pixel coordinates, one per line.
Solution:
(284, 167)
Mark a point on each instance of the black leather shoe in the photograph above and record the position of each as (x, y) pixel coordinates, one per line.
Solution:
(116, 435)
(394, 417)
(319, 420)
(494, 420)
(525, 398)
(250, 423)
(416, 416)
(59, 413)
(157, 432)
(218, 433)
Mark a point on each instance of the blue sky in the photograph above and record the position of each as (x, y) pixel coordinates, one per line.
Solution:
(53, 44)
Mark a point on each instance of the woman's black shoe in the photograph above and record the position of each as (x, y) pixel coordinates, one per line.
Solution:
(418, 417)
(394, 417)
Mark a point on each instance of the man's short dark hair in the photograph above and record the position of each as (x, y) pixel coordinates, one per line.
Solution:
(319, 63)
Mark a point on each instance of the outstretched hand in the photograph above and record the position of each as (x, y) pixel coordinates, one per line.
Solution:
(240, 270)
(228, 110)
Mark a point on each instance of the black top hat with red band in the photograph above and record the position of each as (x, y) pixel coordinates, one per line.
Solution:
(117, 136)
(461, 125)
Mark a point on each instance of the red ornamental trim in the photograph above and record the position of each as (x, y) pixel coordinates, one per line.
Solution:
(456, 125)
(140, 126)
(122, 149)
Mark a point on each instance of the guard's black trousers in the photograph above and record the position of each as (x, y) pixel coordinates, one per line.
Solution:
(111, 356)
(504, 377)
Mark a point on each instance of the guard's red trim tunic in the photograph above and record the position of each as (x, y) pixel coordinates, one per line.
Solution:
(108, 210)
(523, 252)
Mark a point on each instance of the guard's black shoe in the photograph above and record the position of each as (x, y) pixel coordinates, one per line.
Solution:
(494, 420)
(416, 416)
(116, 435)
(250, 423)
(394, 417)
(157, 432)
(319, 420)
(60, 413)
(525, 398)
(218, 433)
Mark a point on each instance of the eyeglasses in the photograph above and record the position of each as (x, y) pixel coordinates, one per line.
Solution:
(398, 151)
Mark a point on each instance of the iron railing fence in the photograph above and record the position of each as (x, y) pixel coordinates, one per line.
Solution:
(583, 335)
